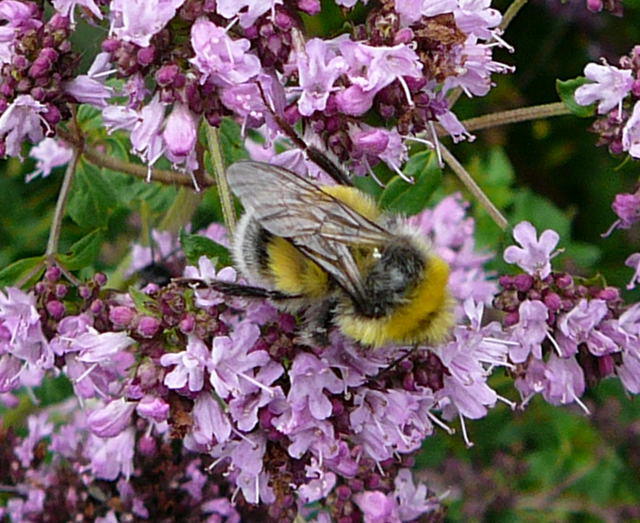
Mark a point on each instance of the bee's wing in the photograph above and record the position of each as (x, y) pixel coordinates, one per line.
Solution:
(319, 225)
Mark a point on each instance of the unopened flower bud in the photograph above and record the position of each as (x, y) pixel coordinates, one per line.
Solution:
(564, 281)
(59, 23)
(311, 7)
(53, 274)
(511, 318)
(110, 45)
(343, 492)
(146, 55)
(187, 324)
(148, 326)
(609, 294)
(121, 315)
(96, 306)
(523, 282)
(594, 5)
(403, 36)
(147, 446)
(84, 292)
(553, 301)
(153, 408)
(100, 279)
(506, 282)
(61, 290)
(52, 115)
(151, 288)
(283, 21)
(55, 309)
(166, 74)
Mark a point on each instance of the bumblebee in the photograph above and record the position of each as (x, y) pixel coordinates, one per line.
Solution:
(331, 253)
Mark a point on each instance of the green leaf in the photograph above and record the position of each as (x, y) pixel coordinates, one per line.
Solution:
(20, 269)
(566, 90)
(542, 213)
(83, 252)
(231, 141)
(141, 301)
(195, 246)
(92, 198)
(400, 196)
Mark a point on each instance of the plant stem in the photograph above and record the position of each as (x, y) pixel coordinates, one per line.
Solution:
(474, 188)
(511, 13)
(224, 191)
(99, 159)
(522, 114)
(58, 215)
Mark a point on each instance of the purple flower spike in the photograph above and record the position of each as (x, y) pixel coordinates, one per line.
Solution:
(534, 255)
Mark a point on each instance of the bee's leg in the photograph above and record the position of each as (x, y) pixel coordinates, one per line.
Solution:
(237, 289)
(394, 364)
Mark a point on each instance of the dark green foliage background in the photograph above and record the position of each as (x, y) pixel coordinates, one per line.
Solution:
(542, 464)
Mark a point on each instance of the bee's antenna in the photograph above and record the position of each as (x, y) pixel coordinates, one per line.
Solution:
(313, 153)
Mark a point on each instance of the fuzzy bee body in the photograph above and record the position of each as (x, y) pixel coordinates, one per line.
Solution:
(339, 258)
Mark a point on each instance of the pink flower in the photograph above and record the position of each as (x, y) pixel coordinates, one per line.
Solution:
(190, 366)
(146, 136)
(564, 381)
(22, 119)
(411, 11)
(49, 154)
(609, 85)
(111, 457)
(530, 331)
(633, 261)
(247, 11)
(412, 500)
(377, 507)
(180, 131)
(475, 75)
(209, 420)
(534, 255)
(89, 88)
(631, 133)
(111, 419)
(225, 60)
(319, 66)
(67, 7)
(137, 21)
(476, 17)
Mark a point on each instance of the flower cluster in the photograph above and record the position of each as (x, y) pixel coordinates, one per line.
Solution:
(180, 60)
(262, 419)
(616, 91)
(567, 333)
